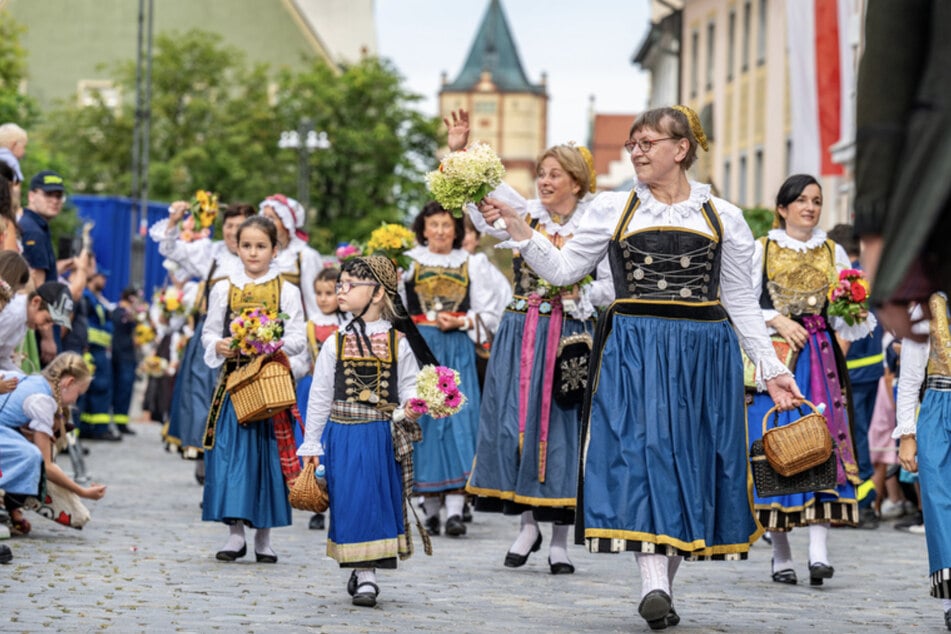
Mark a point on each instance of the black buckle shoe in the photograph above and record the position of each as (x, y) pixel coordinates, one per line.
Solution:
(787, 575)
(654, 608)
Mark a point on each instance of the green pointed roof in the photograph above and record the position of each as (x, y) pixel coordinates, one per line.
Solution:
(494, 50)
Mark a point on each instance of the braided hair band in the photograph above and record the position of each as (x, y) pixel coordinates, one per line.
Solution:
(695, 126)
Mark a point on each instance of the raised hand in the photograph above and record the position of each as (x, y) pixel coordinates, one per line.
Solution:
(457, 127)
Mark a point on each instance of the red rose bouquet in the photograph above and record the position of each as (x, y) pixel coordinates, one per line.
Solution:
(849, 298)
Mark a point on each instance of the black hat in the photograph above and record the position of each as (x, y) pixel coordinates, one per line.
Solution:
(60, 302)
(48, 181)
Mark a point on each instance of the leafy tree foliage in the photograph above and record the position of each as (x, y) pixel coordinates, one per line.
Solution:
(14, 106)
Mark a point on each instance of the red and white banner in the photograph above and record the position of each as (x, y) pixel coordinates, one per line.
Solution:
(821, 82)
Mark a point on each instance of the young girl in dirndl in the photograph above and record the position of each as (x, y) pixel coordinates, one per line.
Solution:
(247, 466)
(361, 377)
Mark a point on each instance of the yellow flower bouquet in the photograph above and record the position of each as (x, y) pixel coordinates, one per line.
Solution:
(392, 241)
(257, 331)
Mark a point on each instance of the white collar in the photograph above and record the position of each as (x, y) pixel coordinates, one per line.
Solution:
(241, 279)
(538, 212)
(423, 255)
(699, 194)
(378, 326)
(783, 239)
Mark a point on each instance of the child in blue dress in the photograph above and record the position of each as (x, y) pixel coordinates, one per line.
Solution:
(361, 377)
(245, 466)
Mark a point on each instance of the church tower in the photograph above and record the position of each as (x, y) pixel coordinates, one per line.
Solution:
(506, 111)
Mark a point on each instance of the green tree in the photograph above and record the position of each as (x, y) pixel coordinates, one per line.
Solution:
(14, 106)
(759, 219)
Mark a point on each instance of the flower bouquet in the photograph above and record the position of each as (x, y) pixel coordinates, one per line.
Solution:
(392, 241)
(347, 250)
(849, 298)
(466, 176)
(171, 300)
(257, 331)
(143, 334)
(153, 366)
(200, 222)
(437, 392)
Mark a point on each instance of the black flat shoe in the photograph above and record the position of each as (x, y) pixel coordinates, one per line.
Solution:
(672, 617)
(947, 619)
(786, 576)
(316, 522)
(454, 526)
(561, 568)
(6, 555)
(819, 571)
(231, 555)
(432, 525)
(352, 583)
(262, 558)
(366, 599)
(514, 560)
(654, 608)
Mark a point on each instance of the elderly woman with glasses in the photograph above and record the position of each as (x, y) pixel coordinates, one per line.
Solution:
(664, 458)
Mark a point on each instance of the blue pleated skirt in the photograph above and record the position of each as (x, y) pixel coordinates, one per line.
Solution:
(444, 457)
(21, 464)
(666, 467)
(243, 479)
(501, 470)
(934, 465)
(364, 483)
(800, 509)
(191, 398)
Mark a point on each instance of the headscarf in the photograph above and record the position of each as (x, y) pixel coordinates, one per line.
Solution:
(290, 212)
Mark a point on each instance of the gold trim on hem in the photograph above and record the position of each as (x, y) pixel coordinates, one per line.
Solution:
(697, 548)
(363, 551)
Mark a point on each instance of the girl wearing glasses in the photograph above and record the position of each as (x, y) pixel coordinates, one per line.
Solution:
(527, 451)
(247, 466)
(362, 376)
(664, 468)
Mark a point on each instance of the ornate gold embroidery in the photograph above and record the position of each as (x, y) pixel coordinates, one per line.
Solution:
(441, 288)
(939, 363)
(799, 282)
(253, 295)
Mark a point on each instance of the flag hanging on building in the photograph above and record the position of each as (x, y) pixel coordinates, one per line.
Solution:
(821, 83)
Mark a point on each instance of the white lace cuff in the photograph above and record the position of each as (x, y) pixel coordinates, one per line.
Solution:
(513, 244)
(583, 307)
(905, 429)
(861, 330)
(769, 368)
(310, 449)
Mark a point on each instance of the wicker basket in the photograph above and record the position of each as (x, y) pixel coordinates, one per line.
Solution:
(307, 494)
(798, 446)
(261, 389)
(771, 484)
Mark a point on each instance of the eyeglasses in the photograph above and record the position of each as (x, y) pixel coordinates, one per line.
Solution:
(346, 287)
(56, 195)
(645, 144)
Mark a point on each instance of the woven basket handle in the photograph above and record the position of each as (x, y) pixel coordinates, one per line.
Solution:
(775, 412)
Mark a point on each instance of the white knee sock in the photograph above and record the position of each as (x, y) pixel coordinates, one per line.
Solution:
(818, 534)
(454, 504)
(236, 538)
(431, 505)
(262, 541)
(946, 604)
(653, 573)
(673, 563)
(782, 555)
(366, 575)
(526, 536)
(558, 549)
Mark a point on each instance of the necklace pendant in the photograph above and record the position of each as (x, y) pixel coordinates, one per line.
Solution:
(374, 398)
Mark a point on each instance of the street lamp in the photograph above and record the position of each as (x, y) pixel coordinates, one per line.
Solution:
(312, 140)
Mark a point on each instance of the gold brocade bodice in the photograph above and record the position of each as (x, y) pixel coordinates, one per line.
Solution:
(266, 295)
(798, 282)
(939, 362)
(440, 288)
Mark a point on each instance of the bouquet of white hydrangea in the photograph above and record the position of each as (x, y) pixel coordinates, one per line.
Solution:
(466, 176)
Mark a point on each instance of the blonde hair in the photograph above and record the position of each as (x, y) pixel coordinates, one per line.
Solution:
(11, 133)
(65, 364)
(571, 160)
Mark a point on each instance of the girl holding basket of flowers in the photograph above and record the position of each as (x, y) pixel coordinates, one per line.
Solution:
(247, 465)
(361, 377)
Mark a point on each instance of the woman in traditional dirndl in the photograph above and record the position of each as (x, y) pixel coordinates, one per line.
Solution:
(446, 288)
(793, 270)
(247, 466)
(362, 376)
(925, 445)
(664, 466)
(527, 452)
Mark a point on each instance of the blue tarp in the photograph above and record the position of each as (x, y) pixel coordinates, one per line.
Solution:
(115, 220)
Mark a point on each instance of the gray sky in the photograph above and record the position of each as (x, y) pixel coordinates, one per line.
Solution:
(584, 46)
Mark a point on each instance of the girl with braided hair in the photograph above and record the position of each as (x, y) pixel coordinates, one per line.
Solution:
(32, 427)
(362, 376)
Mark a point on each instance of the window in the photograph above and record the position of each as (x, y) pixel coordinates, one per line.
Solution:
(727, 175)
(484, 107)
(758, 177)
(730, 46)
(694, 63)
(90, 91)
(761, 34)
(745, 51)
(741, 186)
(711, 47)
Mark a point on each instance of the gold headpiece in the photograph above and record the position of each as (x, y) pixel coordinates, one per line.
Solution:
(383, 270)
(695, 126)
(589, 161)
